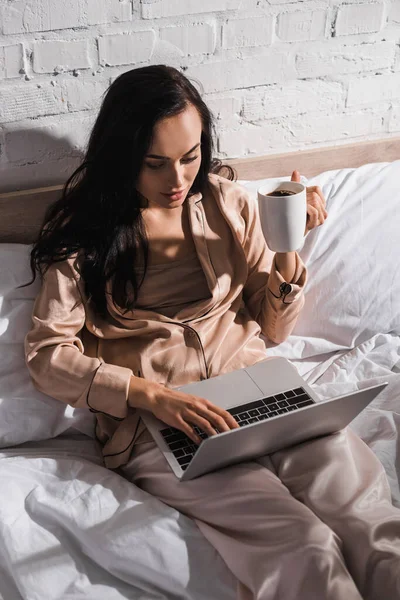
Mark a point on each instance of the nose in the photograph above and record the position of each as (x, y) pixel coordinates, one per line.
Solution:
(176, 178)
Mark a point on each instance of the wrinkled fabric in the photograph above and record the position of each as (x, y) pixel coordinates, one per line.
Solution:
(79, 358)
(312, 522)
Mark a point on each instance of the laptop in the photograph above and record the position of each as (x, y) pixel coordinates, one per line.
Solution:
(274, 407)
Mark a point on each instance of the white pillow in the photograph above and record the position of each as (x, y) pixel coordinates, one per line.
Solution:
(25, 413)
(353, 289)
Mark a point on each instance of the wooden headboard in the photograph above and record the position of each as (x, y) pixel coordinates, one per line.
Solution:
(22, 213)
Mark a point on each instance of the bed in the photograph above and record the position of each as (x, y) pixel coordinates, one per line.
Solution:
(71, 529)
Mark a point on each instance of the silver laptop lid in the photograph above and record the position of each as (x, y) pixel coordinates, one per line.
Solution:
(279, 432)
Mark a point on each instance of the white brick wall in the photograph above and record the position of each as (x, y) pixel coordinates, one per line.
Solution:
(358, 18)
(154, 9)
(108, 11)
(248, 32)
(24, 16)
(302, 26)
(293, 98)
(394, 14)
(63, 138)
(242, 72)
(79, 97)
(373, 89)
(195, 39)
(58, 56)
(278, 75)
(11, 60)
(328, 62)
(19, 102)
(126, 48)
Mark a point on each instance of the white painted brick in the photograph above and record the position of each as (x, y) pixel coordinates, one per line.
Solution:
(82, 94)
(359, 18)
(224, 108)
(171, 8)
(197, 39)
(23, 16)
(339, 2)
(376, 88)
(108, 11)
(254, 140)
(394, 14)
(48, 142)
(346, 59)
(394, 118)
(166, 54)
(15, 177)
(248, 32)
(254, 103)
(294, 97)
(28, 100)
(300, 26)
(125, 49)
(248, 72)
(11, 61)
(59, 56)
(315, 129)
(282, 1)
(249, 6)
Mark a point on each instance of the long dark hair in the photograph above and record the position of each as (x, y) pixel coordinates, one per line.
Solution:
(98, 215)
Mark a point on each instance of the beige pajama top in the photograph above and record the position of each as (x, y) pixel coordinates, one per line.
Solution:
(84, 360)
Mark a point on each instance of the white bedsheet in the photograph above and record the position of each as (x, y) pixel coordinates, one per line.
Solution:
(70, 529)
(373, 361)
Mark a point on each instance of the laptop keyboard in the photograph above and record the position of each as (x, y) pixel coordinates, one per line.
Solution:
(184, 448)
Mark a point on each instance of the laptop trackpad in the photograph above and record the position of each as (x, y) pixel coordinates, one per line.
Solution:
(226, 390)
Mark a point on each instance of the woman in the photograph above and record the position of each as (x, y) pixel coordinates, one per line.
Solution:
(156, 274)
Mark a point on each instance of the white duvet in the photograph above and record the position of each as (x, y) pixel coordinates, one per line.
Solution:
(71, 529)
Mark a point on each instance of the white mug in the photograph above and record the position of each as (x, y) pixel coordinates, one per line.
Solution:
(283, 218)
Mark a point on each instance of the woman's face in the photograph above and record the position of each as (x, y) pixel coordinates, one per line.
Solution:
(173, 160)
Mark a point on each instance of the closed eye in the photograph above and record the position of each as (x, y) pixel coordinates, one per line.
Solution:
(184, 161)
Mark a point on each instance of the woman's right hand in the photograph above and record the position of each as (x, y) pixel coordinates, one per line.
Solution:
(179, 409)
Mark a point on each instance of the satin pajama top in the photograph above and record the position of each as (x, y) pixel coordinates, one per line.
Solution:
(79, 358)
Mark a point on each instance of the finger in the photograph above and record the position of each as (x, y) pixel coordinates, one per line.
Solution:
(217, 415)
(195, 412)
(227, 417)
(189, 431)
(295, 176)
(215, 420)
(312, 218)
(201, 422)
(317, 190)
(315, 201)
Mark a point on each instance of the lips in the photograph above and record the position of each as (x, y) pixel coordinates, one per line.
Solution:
(175, 195)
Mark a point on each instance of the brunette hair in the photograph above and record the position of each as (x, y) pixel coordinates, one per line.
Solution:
(98, 214)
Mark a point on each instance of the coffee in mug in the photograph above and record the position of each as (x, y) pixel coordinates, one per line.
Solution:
(280, 193)
(283, 213)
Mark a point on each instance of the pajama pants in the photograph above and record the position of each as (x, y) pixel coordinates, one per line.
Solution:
(312, 522)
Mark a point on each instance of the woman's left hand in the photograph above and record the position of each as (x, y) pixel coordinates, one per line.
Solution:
(316, 203)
